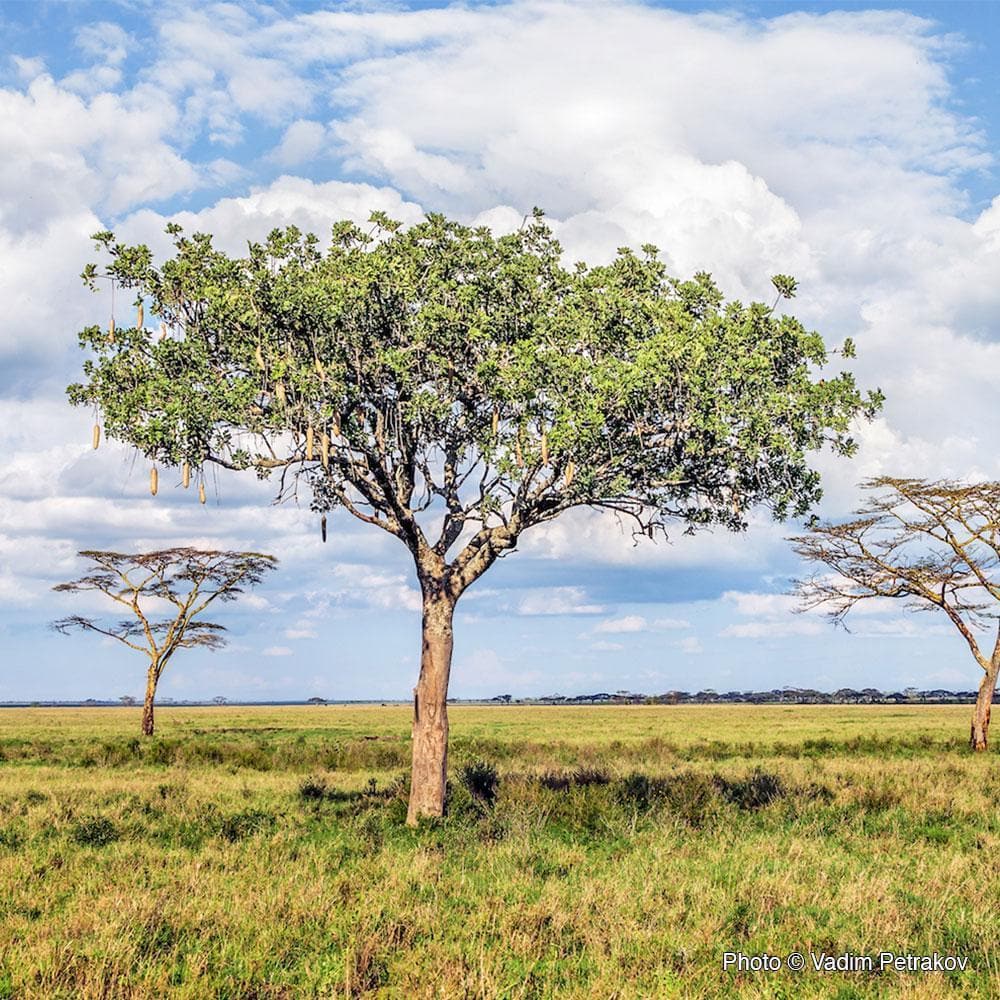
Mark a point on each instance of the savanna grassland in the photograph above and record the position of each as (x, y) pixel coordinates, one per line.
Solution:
(588, 852)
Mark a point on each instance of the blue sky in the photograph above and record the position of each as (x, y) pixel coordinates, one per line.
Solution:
(852, 145)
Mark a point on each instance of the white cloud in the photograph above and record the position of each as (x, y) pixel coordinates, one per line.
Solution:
(627, 623)
(761, 605)
(671, 623)
(691, 645)
(302, 141)
(311, 206)
(276, 651)
(28, 68)
(105, 41)
(557, 601)
(773, 629)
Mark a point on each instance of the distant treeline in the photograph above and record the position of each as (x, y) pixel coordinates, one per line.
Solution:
(778, 696)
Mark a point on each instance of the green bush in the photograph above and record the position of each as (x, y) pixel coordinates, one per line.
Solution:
(95, 831)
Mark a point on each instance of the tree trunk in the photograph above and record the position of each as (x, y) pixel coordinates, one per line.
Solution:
(430, 707)
(147, 707)
(981, 713)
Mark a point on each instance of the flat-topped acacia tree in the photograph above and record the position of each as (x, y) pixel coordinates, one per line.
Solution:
(183, 582)
(455, 388)
(935, 546)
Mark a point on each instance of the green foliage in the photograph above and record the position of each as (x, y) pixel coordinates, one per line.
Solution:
(95, 831)
(441, 356)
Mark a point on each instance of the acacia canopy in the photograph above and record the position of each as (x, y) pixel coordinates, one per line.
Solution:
(185, 581)
(454, 388)
(934, 546)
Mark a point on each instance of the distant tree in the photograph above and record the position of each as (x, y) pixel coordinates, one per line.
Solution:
(220, 699)
(128, 700)
(188, 579)
(933, 545)
(455, 389)
(317, 701)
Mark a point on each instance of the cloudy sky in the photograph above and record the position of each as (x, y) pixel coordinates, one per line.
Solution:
(854, 147)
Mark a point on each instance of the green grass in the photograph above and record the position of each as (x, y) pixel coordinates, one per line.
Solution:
(262, 853)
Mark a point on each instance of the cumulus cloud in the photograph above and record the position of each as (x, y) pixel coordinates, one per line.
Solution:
(627, 623)
(557, 601)
(302, 141)
(775, 618)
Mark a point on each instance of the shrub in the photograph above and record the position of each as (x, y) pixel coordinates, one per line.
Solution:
(96, 831)
(312, 788)
(11, 839)
(585, 776)
(582, 777)
(555, 781)
(640, 791)
(689, 794)
(760, 789)
(481, 779)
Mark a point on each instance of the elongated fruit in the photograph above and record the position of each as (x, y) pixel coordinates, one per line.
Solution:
(97, 436)
(310, 434)
(201, 493)
(154, 480)
(186, 475)
(322, 527)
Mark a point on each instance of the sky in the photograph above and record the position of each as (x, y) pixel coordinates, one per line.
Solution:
(853, 146)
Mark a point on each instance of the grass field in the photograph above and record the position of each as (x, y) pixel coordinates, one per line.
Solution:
(252, 853)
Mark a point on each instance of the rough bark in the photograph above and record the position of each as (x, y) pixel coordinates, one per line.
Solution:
(430, 707)
(981, 712)
(147, 706)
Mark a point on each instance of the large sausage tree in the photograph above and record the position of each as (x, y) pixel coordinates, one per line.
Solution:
(454, 388)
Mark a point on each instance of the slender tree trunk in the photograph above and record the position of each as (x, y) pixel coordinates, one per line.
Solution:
(984, 702)
(147, 706)
(430, 706)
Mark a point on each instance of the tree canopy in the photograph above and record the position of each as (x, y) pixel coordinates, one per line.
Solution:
(400, 370)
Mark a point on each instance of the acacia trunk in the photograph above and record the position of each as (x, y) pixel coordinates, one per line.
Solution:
(147, 705)
(430, 708)
(981, 712)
